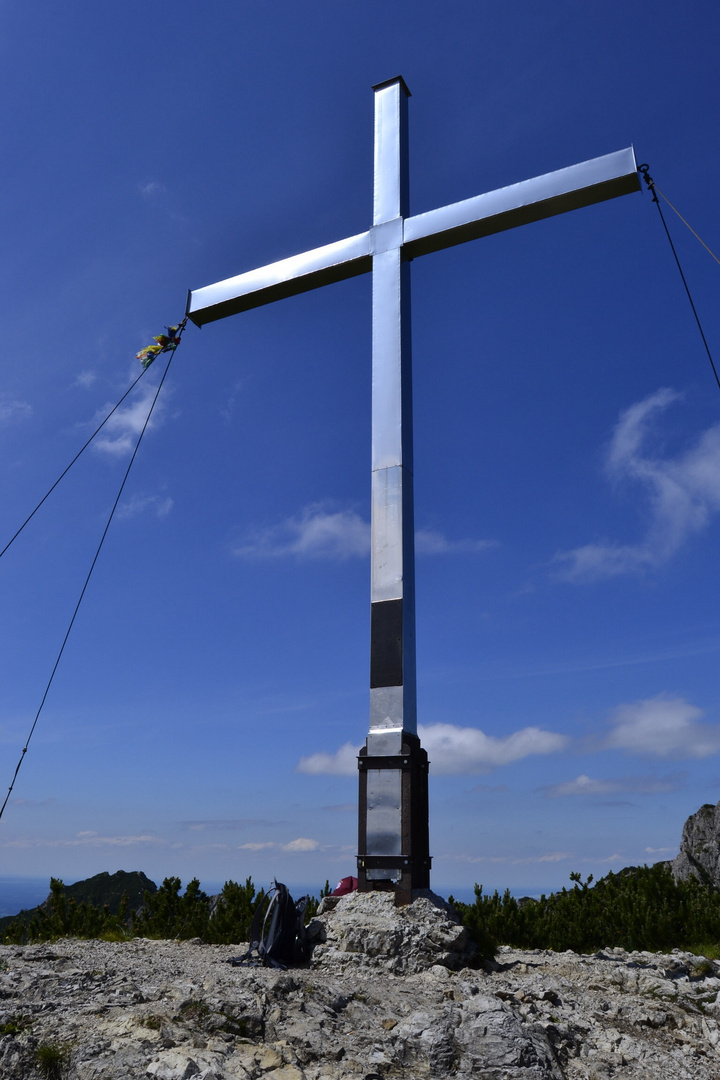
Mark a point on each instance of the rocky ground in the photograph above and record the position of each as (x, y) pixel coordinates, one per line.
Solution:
(380, 999)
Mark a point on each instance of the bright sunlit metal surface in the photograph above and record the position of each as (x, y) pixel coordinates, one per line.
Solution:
(383, 812)
(531, 200)
(299, 273)
(544, 196)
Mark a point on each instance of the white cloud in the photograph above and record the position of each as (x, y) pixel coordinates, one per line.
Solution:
(85, 379)
(151, 189)
(229, 408)
(683, 492)
(120, 433)
(87, 838)
(658, 727)
(223, 824)
(31, 802)
(431, 542)
(547, 857)
(663, 727)
(315, 533)
(301, 844)
(157, 504)
(342, 763)
(453, 750)
(320, 533)
(12, 409)
(93, 840)
(628, 785)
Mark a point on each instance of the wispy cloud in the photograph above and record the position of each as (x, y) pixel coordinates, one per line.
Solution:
(151, 189)
(315, 533)
(683, 492)
(225, 824)
(87, 838)
(457, 750)
(300, 844)
(663, 727)
(515, 860)
(85, 379)
(120, 434)
(431, 542)
(303, 843)
(93, 839)
(229, 408)
(342, 763)
(13, 409)
(453, 750)
(319, 532)
(159, 505)
(627, 785)
(31, 802)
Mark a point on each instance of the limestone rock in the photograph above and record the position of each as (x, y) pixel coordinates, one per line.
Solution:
(364, 929)
(168, 1010)
(700, 847)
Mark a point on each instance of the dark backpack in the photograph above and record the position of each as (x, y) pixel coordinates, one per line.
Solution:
(277, 933)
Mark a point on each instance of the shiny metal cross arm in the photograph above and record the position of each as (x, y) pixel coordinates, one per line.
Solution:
(544, 196)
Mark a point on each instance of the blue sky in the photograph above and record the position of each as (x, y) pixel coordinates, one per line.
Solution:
(214, 691)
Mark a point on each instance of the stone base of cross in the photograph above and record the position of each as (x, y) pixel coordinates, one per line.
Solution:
(393, 846)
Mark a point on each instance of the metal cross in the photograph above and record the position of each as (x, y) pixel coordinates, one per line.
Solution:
(393, 846)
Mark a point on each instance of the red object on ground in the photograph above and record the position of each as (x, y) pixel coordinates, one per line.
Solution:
(344, 886)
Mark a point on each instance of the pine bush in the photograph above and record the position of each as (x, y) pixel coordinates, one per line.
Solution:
(641, 908)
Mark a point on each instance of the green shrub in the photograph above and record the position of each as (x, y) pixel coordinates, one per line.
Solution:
(62, 916)
(167, 914)
(314, 902)
(53, 1060)
(641, 908)
(15, 1025)
(233, 916)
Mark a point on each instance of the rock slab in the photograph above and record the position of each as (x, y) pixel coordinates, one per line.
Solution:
(368, 930)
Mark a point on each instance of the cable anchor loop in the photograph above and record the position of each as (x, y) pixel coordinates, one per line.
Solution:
(644, 170)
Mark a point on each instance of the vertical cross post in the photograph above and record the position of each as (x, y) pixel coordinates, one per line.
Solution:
(393, 819)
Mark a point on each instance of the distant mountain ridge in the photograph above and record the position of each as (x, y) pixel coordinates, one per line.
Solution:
(103, 888)
(106, 888)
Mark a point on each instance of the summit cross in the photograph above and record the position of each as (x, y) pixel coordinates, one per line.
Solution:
(393, 834)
